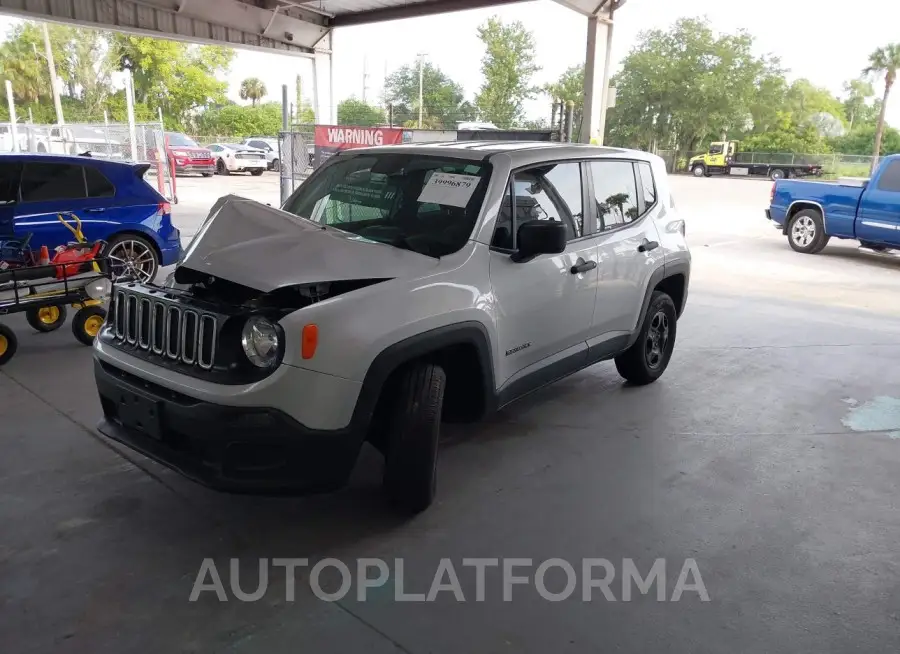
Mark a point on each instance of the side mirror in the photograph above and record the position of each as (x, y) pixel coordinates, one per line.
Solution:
(540, 237)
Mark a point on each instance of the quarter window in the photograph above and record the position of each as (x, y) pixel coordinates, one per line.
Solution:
(890, 178)
(9, 182)
(97, 184)
(615, 194)
(50, 181)
(551, 192)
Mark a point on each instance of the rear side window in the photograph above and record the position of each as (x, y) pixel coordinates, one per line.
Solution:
(615, 193)
(42, 182)
(648, 188)
(98, 186)
(890, 178)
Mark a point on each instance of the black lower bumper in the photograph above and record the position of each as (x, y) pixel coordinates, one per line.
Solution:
(203, 169)
(232, 449)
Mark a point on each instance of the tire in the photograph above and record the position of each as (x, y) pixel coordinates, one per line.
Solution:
(220, 168)
(410, 470)
(135, 246)
(86, 324)
(47, 319)
(276, 165)
(699, 170)
(257, 173)
(206, 174)
(648, 357)
(8, 344)
(776, 174)
(806, 232)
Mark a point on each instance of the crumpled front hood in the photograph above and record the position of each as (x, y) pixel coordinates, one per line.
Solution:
(256, 245)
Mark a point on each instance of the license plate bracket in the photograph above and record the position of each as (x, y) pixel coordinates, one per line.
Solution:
(141, 413)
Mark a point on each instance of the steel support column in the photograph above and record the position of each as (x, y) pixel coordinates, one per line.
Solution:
(596, 77)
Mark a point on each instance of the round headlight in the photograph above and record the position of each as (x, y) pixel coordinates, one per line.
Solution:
(98, 289)
(260, 341)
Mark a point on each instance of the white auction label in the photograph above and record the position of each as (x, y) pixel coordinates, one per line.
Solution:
(449, 189)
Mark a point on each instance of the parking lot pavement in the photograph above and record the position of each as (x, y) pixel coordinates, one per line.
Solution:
(744, 458)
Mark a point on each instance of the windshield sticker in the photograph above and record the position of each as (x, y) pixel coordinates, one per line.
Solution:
(379, 196)
(449, 189)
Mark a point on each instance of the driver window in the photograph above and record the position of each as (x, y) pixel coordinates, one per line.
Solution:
(547, 193)
(715, 148)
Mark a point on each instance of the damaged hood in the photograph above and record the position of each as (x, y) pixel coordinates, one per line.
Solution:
(256, 245)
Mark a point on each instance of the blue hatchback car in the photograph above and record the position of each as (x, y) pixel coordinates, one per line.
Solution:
(112, 199)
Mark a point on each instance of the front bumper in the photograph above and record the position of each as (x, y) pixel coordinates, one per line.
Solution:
(196, 168)
(227, 448)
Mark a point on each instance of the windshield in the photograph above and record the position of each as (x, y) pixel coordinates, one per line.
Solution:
(420, 203)
(182, 140)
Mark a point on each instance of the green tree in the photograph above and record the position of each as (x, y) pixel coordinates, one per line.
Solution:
(686, 85)
(508, 64)
(241, 121)
(252, 89)
(357, 112)
(884, 61)
(860, 141)
(859, 92)
(787, 137)
(442, 98)
(172, 76)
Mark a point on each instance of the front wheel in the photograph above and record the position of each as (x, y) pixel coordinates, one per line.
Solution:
(86, 324)
(698, 171)
(206, 174)
(410, 471)
(648, 357)
(46, 319)
(806, 232)
(8, 344)
(257, 173)
(220, 168)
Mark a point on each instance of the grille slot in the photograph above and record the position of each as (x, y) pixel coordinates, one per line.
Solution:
(166, 329)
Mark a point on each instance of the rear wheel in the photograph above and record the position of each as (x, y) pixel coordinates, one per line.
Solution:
(8, 344)
(220, 168)
(86, 324)
(777, 173)
(806, 232)
(46, 319)
(647, 359)
(257, 173)
(410, 471)
(132, 256)
(207, 174)
(276, 165)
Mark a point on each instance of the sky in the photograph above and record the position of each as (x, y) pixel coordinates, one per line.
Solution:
(825, 45)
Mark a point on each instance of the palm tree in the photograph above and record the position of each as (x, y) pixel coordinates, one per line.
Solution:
(884, 61)
(252, 89)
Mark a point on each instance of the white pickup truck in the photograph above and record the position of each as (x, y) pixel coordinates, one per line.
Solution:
(59, 140)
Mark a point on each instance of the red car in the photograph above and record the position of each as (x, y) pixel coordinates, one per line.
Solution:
(187, 155)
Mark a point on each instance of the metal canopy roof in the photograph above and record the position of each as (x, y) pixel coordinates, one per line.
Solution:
(300, 27)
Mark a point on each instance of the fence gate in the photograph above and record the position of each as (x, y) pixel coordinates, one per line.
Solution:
(112, 141)
(296, 149)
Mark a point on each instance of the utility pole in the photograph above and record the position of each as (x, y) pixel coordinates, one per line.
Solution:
(365, 78)
(421, 64)
(54, 85)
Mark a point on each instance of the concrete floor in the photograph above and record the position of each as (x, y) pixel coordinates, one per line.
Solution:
(739, 458)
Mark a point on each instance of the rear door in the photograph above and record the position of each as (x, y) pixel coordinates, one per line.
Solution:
(46, 190)
(624, 203)
(879, 209)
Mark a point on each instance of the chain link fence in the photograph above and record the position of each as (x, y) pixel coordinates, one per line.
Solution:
(112, 141)
(834, 165)
(296, 151)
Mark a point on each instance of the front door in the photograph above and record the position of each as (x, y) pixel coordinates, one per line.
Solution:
(625, 203)
(48, 189)
(879, 218)
(545, 304)
(9, 196)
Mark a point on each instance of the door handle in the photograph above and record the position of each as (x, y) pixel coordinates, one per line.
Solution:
(95, 210)
(646, 246)
(582, 266)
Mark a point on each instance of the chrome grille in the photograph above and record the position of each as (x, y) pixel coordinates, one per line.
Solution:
(166, 329)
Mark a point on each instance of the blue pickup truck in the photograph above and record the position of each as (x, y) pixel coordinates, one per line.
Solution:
(810, 213)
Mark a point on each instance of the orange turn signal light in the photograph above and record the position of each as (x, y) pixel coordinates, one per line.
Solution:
(308, 341)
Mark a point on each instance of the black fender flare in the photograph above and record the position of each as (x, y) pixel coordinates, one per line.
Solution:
(392, 357)
(663, 272)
